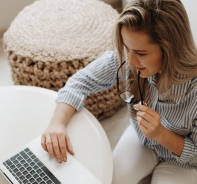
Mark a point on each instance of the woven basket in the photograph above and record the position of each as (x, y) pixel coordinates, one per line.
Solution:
(49, 41)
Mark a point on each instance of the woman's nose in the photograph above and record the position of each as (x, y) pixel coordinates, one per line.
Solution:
(132, 59)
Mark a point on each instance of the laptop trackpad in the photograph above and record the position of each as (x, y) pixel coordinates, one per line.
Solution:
(3, 179)
(71, 171)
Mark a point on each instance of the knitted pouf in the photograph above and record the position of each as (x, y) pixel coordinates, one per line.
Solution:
(50, 40)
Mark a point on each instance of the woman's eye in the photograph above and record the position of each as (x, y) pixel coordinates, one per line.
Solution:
(141, 54)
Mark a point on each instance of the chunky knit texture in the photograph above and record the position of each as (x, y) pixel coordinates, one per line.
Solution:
(49, 41)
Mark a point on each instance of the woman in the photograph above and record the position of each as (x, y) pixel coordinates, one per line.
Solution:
(158, 57)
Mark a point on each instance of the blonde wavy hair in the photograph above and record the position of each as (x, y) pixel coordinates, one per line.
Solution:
(167, 23)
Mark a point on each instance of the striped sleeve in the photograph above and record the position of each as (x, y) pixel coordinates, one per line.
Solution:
(97, 76)
(189, 153)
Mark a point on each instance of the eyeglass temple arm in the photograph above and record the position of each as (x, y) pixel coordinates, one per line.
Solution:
(141, 96)
(117, 77)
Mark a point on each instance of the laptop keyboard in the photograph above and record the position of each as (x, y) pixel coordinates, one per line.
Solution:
(27, 168)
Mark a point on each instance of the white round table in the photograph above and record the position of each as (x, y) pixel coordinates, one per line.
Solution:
(26, 111)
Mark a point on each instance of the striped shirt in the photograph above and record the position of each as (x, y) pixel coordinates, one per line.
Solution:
(179, 115)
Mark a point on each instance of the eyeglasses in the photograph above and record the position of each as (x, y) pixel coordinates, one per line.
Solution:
(126, 95)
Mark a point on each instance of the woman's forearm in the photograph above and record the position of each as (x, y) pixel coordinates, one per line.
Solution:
(62, 114)
(171, 141)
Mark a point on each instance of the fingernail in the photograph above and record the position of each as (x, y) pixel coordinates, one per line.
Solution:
(59, 160)
(64, 159)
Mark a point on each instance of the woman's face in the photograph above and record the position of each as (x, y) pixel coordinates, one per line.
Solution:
(145, 56)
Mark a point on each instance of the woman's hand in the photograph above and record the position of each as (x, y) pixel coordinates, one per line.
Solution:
(149, 122)
(56, 141)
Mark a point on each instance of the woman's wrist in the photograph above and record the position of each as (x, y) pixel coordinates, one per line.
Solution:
(171, 141)
(62, 114)
(57, 121)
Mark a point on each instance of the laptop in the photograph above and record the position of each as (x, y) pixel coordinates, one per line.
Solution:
(31, 164)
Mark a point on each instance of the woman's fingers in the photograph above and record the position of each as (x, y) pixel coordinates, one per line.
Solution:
(144, 115)
(69, 145)
(56, 149)
(49, 146)
(145, 108)
(62, 146)
(43, 143)
(57, 146)
(56, 142)
(143, 122)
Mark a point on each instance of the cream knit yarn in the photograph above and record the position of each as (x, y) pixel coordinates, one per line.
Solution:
(50, 40)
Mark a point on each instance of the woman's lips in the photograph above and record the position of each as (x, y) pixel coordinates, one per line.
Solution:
(140, 69)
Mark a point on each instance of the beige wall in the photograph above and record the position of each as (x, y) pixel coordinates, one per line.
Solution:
(191, 8)
(10, 8)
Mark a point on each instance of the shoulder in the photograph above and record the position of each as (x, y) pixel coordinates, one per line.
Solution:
(193, 86)
(194, 81)
(110, 58)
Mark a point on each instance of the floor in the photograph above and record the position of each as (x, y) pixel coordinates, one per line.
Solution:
(5, 73)
(114, 126)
